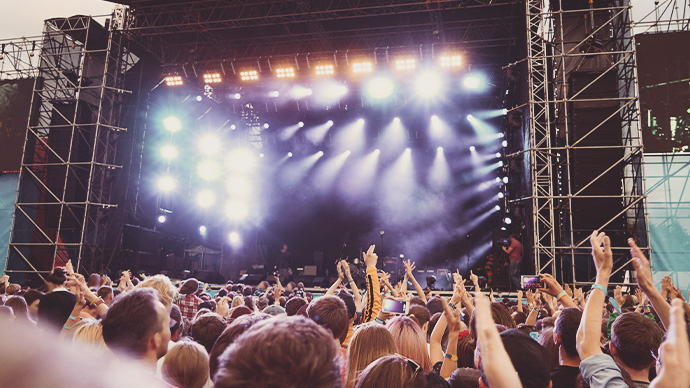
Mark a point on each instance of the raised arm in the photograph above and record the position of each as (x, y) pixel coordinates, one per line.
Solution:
(371, 310)
(334, 287)
(646, 283)
(409, 268)
(353, 286)
(554, 289)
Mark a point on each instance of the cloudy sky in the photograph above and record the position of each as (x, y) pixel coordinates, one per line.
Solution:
(27, 19)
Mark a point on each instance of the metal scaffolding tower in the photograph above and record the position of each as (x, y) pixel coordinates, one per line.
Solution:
(585, 146)
(68, 165)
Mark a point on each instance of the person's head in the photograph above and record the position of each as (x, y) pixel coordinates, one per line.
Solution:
(176, 325)
(293, 305)
(19, 307)
(565, 331)
(633, 339)
(186, 365)
(330, 312)
(137, 323)
(13, 289)
(349, 301)
(90, 332)
(237, 327)
(94, 281)
(263, 285)
(547, 342)
(106, 292)
(528, 357)
(190, 286)
(162, 285)
(369, 342)
(420, 315)
(33, 298)
(392, 371)
(464, 378)
(434, 305)
(500, 314)
(465, 351)
(410, 340)
(56, 278)
(519, 317)
(237, 301)
(206, 329)
(6, 315)
(305, 356)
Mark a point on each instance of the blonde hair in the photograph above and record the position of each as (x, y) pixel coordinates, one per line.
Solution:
(237, 301)
(89, 332)
(163, 286)
(410, 340)
(369, 342)
(389, 371)
(186, 365)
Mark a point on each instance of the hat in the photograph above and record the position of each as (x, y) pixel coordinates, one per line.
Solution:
(274, 310)
(529, 358)
(190, 286)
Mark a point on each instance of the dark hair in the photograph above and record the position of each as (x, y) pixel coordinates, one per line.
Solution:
(58, 276)
(206, 305)
(349, 301)
(104, 291)
(419, 314)
(466, 352)
(239, 311)
(176, 317)
(546, 341)
(206, 329)
(635, 336)
(501, 316)
(249, 302)
(330, 312)
(306, 356)
(131, 320)
(432, 324)
(30, 296)
(566, 327)
(19, 307)
(228, 336)
(434, 305)
(293, 305)
(94, 281)
(519, 317)
(222, 292)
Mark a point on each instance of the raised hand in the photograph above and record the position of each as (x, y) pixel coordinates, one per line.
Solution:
(675, 352)
(409, 267)
(553, 288)
(339, 267)
(618, 295)
(68, 267)
(579, 296)
(642, 268)
(529, 295)
(474, 278)
(346, 268)
(223, 307)
(568, 290)
(5, 278)
(666, 286)
(370, 258)
(601, 253)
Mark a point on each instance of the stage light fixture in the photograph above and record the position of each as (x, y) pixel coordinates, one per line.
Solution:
(162, 218)
(212, 78)
(407, 150)
(234, 238)
(473, 82)
(505, 179)
(320, 153)
(428, 84)
(507, 221)
(439, 149)
(237, 96)
(172, 124)
(299, 91)
(300, 124)
(199, 98)
(500, 163)
(498, 179)
(209, 144)
(261, 155)
(167, 183)
(325, 70)
(241, 160)
(434, 118)
(380, 88)
(169, 152)
(239, 186)
(404, 64)
(329, 123)
(396, 120)
(470, 118)
(347, 152)
(360, 121)
(266, 125)
(362, 67)
(285, 72)
(289, 154)
(233, 127)
(504, 111)
(206, 198)
(501, 135)
(473, 148)
(173, 80)
(274, 94)
(237, 210)
(208, 170)
(249, 75)
(497, 207)
(202, 230)
(451, 60)
(498, 154)
(501, 195)
(377, 151)
(504, 143)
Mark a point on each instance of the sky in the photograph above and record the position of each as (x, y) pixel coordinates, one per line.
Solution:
(27, 19)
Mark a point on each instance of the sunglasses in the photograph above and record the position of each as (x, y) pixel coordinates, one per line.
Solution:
(416, 368)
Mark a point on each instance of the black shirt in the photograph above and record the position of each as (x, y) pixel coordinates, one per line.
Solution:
(564, 376)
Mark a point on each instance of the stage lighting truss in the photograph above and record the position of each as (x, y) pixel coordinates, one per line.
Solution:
(212, 78)
(325, 70)
(362, 67)
(285, 72)
(405, 64)
(173, 80)
(451, 61)
(249, 75)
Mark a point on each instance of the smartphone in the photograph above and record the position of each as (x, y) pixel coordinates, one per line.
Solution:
(531, 282)
(398, 307)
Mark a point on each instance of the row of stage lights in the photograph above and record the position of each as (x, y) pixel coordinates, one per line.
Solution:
(363, 67)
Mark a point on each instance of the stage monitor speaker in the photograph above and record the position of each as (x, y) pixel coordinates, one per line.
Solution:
(212, 277)
(250, 279)
(310, 270)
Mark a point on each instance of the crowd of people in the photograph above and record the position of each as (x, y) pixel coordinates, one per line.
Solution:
(80, 331)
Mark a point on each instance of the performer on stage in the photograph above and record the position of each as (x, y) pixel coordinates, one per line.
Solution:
(514, 251)
(284, 262)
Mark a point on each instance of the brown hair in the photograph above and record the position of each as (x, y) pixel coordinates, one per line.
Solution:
(466, 352)
(131, 320)
(13, 289)
(501, 316)
(546, 341)
(237, 327)
(419, 314)
(369, 342)
(186, 365)
(293, 305)
(566, 326)
(19, 307)
(190, 286)
(410, 340)
(304, 357)
(390, 371)
(57, 276)
(330, 312)
(635, 336)
(206, 329)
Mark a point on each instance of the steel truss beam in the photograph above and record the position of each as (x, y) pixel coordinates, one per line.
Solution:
(552, 56)
(19, 58)
(68, 164)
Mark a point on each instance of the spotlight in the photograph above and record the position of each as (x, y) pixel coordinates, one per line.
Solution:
(212, 78)
(249, 75)
(173, 80)
(234, 238)
(167, 183)
(206, 198)
(501, 195)
(439, 149)
(498, 179)
(266, 125)
(202, 230)
(169, 152)
(473, 148)
(405, 64)
(237, 96)
(199, 98)
(241, 160)
(470, 117)
(498, 154)
(472, 82)
(347, 153)
(285, 72)
(320, 153)
(396, 120)
(380, 88)
(360, 121)
(428, 84)
(239, 187)
(325, 70)
(233, 127)
(289, 154)
(504, 111)
(300, 124)
(162, 218)
(507, 221)
(298, 91)
(329, 123)
(501, 135)
(497, 207)
(261, 155)
(434, 118)
(208, 170)
(500, 163)
(236, 210)
(505, 179)
(377, 151)
(407, 150)
(504, 143)
(362, 67)
(451, 61)
(172, 124)
(209, 144)
(274, 94)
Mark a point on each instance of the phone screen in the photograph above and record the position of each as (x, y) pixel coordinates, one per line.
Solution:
(531, 282)
(393, 306)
